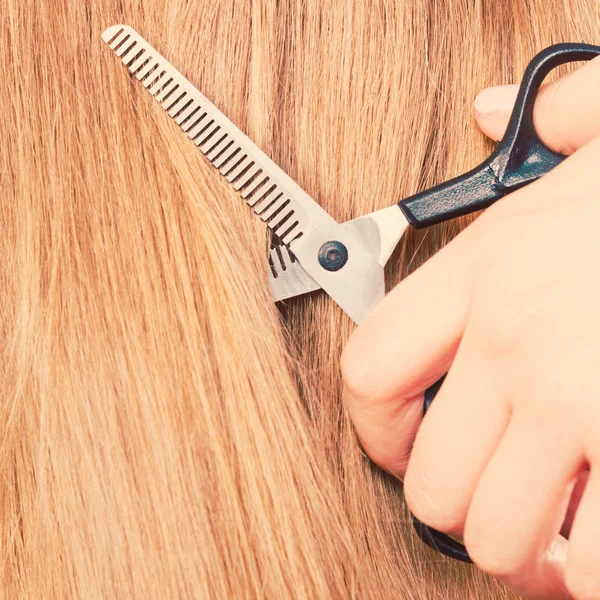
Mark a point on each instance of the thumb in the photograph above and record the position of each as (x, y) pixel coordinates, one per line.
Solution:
(566, 114)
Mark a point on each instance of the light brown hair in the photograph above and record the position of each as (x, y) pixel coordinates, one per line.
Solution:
(167, 432)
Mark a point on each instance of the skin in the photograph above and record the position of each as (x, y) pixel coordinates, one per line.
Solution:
(509, 454)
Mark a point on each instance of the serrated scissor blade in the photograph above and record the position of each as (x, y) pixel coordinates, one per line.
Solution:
(288, 210)
(274, 196)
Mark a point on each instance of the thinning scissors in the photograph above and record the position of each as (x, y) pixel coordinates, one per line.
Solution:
(311, 249)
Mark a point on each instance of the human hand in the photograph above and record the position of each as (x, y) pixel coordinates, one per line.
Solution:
(511, 308)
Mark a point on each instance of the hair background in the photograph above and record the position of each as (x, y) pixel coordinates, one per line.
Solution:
(166, 431)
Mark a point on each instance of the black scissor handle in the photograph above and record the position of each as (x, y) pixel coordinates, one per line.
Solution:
(520, 158)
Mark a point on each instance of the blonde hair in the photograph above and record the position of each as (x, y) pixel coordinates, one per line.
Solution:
(167, 431)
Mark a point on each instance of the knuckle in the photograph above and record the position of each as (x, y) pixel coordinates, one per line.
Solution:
(431, 506)
(353, 376)
(487, 559)
(396, 464)
(498, 320)
(381, 437)
(362, 385)
(582, 585)
(490, 553)
(499, 337)
(550, 389)
(507, 323)
(550, 400)
(504, 339)
(510, 309)
(380, 454)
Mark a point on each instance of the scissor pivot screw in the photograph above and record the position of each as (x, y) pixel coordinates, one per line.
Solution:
(333, 256)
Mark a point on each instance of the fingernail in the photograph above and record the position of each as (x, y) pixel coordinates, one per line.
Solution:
(495, 102)
(557, 552)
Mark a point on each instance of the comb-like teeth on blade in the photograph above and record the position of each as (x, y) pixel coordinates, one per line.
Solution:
(134, 59)
(274, 212)
(279, 222)
(219, 140)
(133, 49)
(219, 147)
(245, 178)
(280, 263)
(122, 45)
(120, 39)
(112, 33)
(170, 97)
(149, 68)
(273, 196)
(178, 103)
(197, 125)
(228, 160)
(290, 234)
(273, 209)
(281, 260)
(264, 200)
(272, 267)
(208, 130)
(139, 62)
(254, 187)
(284, 257)
(153, 83)
(160, 84)
(192, 119)
(217, 154)
(208, 139)
(125, 48)
(187, 113)
(167, 92)
(176, 98)
(290, 258)
(239, 168)
(143, 73)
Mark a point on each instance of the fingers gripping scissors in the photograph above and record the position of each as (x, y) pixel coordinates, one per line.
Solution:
(311, 250)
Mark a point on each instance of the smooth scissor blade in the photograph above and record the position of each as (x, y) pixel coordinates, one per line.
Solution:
(299, 222)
